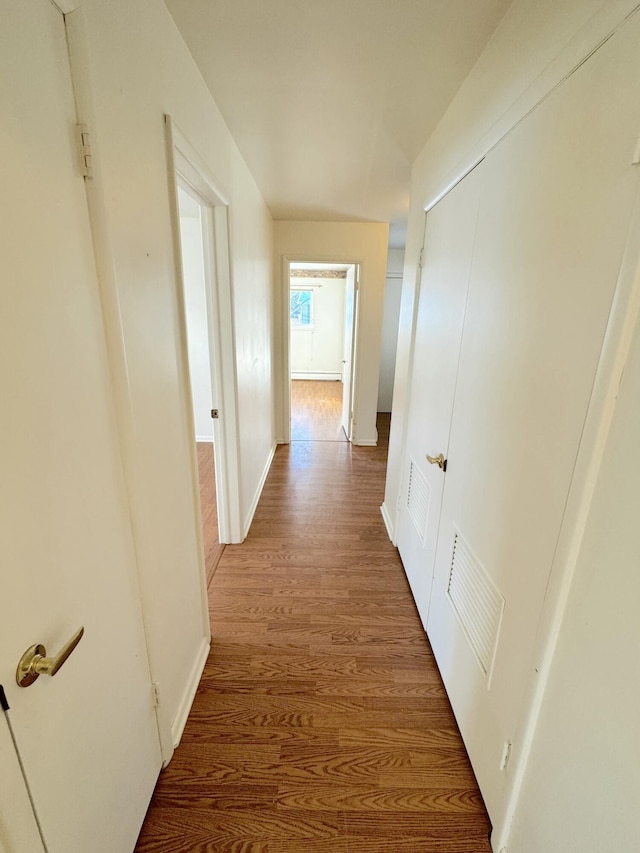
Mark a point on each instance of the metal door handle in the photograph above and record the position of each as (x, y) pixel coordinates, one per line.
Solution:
(34, 662)
(438, 460)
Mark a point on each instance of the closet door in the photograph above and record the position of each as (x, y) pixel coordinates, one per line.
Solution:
(555, 208)
(448, 248)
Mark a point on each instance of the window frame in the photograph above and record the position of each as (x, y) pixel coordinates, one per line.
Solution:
(302, 327)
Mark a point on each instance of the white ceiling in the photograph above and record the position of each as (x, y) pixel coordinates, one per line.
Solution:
(330, 101)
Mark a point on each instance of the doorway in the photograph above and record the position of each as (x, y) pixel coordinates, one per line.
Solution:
(201, 378)
(322, 316)
(207, 342)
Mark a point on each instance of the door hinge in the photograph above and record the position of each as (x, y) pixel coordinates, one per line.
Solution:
(156, 693)
(84, 149)
(214, 414)
(421, 258)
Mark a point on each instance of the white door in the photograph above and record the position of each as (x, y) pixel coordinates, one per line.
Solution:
(554, 214)
(348, 359)
(448, 248)
(201, 374)
(87, 736)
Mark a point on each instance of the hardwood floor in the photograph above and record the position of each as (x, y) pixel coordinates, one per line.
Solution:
(208, 508)
(321, 724)
(316, 410)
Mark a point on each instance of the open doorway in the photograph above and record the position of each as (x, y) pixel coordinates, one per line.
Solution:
(323, 301)
(201, 377)
(201, 234)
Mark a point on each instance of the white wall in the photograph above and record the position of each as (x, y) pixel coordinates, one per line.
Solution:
(139, 69)
(196, 317)
(583, 779)
(317, 352)
(361, 242)
(391, 316)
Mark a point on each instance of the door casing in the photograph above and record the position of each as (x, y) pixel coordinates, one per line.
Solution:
(287, 263)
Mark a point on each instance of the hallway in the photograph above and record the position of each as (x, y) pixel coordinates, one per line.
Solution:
(321, 724)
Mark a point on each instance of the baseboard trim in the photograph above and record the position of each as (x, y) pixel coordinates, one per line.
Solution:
(180, 719)
(204, 439)
(325, 377)
(386, 517)
(256, 497)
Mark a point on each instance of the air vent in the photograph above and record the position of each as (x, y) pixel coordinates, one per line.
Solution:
(477, 603)
(418, 499)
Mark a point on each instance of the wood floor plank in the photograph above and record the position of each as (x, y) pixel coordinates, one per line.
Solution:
(321, 724)
(316, 410)
(373, 798)
(208, 507)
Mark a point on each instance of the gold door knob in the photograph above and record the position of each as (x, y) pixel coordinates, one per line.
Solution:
(34, 662)
(438, 460)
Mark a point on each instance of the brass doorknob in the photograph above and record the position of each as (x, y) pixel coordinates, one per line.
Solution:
(438, 460)
(34, 662)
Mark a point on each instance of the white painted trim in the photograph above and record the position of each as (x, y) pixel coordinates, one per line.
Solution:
(282, 297)
(204, 439)
(602, 26)
(187, 165)
(451, 185)
(194, 169)
(353, 436)
(623, 319)
(388, 523)
(180, 719)
(228, 447)
(324, 377)
(184, 380)
(366, 442)
(258, 492)
(287, 261)
(415, 295)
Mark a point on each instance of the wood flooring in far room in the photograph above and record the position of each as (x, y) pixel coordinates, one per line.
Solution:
(316, 410)
(208, 507)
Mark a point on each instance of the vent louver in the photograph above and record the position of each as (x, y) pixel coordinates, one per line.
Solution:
(477, 603)
(418, 496)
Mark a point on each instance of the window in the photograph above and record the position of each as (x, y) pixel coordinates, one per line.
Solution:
(301, 309)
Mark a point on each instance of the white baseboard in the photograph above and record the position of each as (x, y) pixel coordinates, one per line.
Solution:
(387, 522)
(180, 719)
(256, 497)
(205, 439)
(328, 377)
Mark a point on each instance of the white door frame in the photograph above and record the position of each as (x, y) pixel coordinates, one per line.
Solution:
(188, 169)
(287, 262)
(409, 373)
(349, 349)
